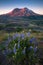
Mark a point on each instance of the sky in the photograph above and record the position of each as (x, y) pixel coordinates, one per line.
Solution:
(8, 5)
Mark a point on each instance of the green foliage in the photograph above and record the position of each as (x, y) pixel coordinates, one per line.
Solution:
(20, 56)
(21, 49)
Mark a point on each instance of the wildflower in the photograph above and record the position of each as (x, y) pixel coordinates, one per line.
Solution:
(32, 40)
(30, 48)
(15, 36)
(35, 49)
(28, 34)
(18, 40)
(22, 36)
(23, 51)
(18, 45)
(14, 50)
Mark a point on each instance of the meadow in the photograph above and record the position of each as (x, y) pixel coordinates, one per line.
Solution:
(21, 40)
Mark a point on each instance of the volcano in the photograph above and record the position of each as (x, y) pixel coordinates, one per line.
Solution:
(21, 12)
(20, 17)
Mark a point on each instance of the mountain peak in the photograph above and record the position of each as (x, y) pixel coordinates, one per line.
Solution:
(25, 8)
(21, 12)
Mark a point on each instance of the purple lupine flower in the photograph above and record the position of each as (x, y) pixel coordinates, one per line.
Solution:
(28, 34)
(18, 45)
(32, 40)
(18, 40)
(35, 49)
(30, 48)
(16, 35)
(24, 50)
(14, 50)
(22, 35)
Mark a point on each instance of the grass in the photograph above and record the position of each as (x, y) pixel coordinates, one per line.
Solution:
(4, 34)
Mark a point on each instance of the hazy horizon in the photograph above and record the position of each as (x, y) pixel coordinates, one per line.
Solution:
(8, 5)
